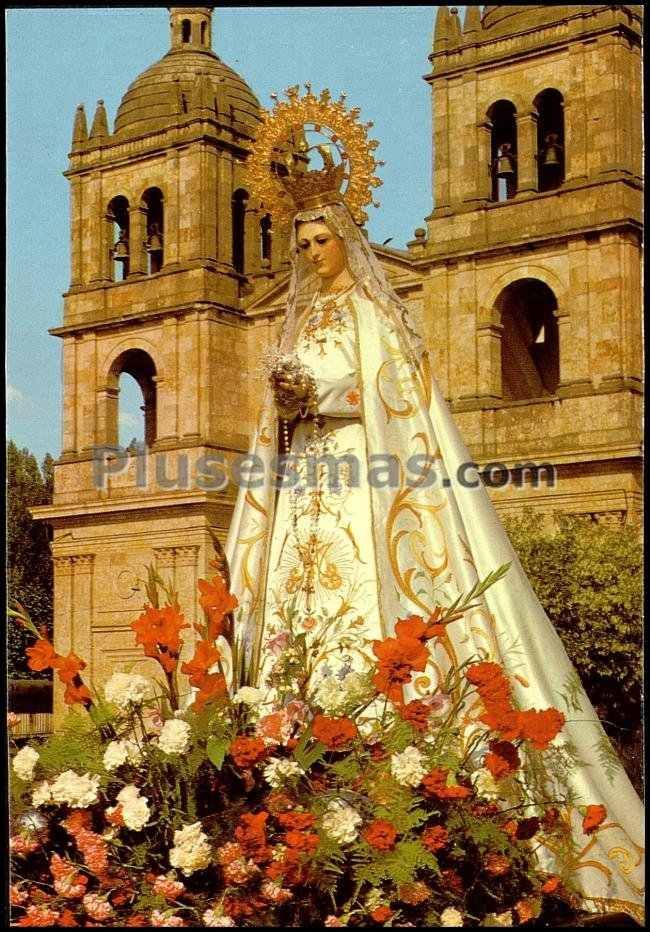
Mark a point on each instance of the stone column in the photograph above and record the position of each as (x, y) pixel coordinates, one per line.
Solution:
(186, 575)
(566, 350)
(69, 425)
(76, 267)
(93, 245)
(170, 223)
(62, 625)
(82, 609)
(138, 259)
(488, 349)
(527, 152)
(107, 411)
(484, 161)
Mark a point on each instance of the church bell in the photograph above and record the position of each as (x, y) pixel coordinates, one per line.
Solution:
(154, 241)
(121, 248)
(551, 155)
(505, 161)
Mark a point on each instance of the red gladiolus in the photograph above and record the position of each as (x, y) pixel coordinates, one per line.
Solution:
(69, 667)
(205, 656)
(398, 658)
(217, 602)
(77, 692)
(381, 835)
(502, 759)
(41, 655)
(158, 630)
(594, 816)
(212, 687)
(336, 733)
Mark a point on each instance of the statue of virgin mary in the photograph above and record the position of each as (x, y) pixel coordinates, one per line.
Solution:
(378, 515)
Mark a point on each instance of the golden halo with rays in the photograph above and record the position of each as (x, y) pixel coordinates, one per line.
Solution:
(270, 170)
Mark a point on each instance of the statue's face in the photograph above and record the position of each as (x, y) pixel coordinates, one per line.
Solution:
(322, 248)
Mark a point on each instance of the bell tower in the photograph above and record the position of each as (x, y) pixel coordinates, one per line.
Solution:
(532, 251)
(166, 251)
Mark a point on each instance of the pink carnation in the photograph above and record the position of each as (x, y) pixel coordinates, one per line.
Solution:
(23, 844)
(97, 907)
(159, 918)
(168, 887)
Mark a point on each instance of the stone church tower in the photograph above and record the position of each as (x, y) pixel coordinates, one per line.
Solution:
(165, 250)
(527, 280)
(532, 255)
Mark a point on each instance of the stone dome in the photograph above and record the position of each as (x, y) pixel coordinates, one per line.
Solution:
(151, 102)
(501, 20)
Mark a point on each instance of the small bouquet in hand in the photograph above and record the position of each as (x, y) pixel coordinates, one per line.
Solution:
(292, 382)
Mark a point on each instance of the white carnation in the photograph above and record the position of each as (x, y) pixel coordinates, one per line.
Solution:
(126, 689)
(42, 794)
(24, 762)
(408, 767)
(115, 755)
(75, 790)
(119, 752)
(128, 793)
(249, 695)
(136, 814)
(174, 737)
(451, 917)
(279, 771)
(191, 851)
(215, 920)
(341, 821)
(485, 784)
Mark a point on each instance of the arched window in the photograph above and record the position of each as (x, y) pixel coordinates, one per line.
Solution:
(550, 139)
(239, 202)
(530, 351)
(117, 215)
(186, 30)
(204, 31)
(265, 239)
(503, 117)
(152, 201)
(122, 419)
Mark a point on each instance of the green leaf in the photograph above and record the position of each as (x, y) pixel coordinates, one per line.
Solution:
(216, 749)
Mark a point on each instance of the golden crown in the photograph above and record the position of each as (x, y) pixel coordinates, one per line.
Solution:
(277, 172)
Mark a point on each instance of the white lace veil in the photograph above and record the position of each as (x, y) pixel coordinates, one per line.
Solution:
(364, 268)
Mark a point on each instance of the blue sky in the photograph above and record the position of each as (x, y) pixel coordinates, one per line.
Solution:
(60, 58)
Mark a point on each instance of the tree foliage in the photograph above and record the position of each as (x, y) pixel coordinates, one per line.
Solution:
(588, 578)
(29, 562)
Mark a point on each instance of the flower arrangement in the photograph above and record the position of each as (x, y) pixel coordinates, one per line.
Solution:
(350, 804)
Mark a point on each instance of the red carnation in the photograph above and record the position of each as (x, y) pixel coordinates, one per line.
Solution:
(381, 835)
(336, 733)
(247, 751)
(435, 837)
(594, 816)
(416, 713)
